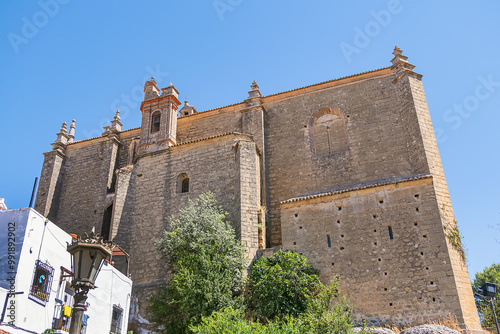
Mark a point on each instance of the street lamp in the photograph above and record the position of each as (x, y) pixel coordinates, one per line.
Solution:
(489, 290)
(88, 254)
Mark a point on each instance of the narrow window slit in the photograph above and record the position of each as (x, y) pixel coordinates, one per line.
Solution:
(329, 241)
(391, 236)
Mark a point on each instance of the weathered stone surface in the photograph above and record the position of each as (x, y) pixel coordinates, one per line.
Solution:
(375, 330)
(429, 329)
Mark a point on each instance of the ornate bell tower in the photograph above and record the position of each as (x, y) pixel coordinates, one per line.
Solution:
(159, 117)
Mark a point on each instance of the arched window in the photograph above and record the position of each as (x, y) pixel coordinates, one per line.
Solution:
(183, 183)
(155, 121)
(327, 132)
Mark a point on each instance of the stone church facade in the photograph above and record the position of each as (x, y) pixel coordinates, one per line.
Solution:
(346, 172)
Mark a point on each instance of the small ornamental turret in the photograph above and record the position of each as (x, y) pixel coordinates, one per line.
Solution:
(62, 138)
(151, 90)
(401, 65)
(71, 134)
(253, 95)
(187, 109)
(169, 91)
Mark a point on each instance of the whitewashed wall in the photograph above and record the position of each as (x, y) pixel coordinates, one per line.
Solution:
(41, 239)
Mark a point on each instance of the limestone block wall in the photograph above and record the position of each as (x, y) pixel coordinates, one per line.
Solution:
(49, 188)
(207, 124)
(412, 92)
(387, 244)
(89, 167)
(153, 195)
(376, 139)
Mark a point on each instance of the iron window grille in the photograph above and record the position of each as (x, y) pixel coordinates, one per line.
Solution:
(116, 320)
(41, 283)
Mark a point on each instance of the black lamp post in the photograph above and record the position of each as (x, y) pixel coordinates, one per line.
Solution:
(490, 290)
(88, 254)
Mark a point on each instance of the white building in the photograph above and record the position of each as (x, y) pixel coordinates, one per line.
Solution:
(34, 261)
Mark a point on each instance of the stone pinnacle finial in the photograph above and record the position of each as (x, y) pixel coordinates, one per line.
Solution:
(116, 125)
(62, 138)
(402, 66)
(397, 51)
(71, 134)
(253, 95)
(64, 129)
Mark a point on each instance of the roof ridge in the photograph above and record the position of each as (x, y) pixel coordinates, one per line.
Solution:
(359, 186)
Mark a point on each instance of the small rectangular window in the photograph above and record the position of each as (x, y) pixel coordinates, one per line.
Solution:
(116, 320)
(329, 241)
(390, 232)
(42, 281)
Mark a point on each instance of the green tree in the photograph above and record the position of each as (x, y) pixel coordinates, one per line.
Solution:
(207, 263)
(490, 274)
(281, 285)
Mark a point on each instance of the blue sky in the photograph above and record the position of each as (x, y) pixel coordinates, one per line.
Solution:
(65, 59)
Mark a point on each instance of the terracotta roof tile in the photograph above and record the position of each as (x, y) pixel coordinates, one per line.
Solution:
(358, 187)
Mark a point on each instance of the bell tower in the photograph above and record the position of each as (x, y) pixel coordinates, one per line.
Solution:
(159, 117)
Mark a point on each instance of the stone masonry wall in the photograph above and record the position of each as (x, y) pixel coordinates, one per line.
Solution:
(427, 138)
(218, 165)
(84, 194)
(376, 141)
(49, 188)
(387, 245)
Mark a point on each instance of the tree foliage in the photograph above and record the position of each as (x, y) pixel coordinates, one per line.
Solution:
(490, 274)
(281, 285)
(325, 314)
(207, 263)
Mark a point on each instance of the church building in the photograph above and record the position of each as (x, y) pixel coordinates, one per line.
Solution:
(346, 172)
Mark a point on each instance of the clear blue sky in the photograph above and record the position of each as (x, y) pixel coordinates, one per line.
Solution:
(84, 60)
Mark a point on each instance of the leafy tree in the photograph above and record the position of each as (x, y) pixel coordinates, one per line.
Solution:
(207, 262)
(281, 285)
(490, 274)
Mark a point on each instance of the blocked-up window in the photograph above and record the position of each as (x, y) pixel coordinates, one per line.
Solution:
(327, 132)
(42, 281)
(116, 320)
